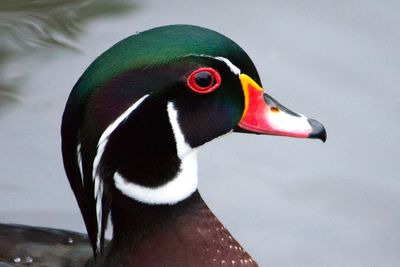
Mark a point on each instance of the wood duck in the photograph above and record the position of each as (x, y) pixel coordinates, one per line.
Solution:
(130, 133)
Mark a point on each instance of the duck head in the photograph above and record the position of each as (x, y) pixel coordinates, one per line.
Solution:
(135, 118)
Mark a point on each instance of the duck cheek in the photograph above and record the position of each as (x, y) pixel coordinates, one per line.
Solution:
(202, 121)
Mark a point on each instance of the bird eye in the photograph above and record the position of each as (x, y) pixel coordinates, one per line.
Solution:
(204, 80)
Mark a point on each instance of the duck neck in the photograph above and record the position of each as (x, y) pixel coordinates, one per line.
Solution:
(186, 233)
(145, 232)
(134, 220)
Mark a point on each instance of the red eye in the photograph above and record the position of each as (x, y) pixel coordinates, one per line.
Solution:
(204, 80)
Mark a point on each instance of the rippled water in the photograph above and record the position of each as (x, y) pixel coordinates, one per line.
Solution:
(31, 29)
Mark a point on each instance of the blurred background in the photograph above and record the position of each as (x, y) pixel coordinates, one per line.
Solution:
(289, 202)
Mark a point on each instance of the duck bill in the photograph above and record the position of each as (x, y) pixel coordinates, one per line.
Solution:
(264, 115)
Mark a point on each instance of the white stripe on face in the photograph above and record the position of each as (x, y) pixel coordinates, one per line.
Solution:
(179, 187)
(231, 66)
(98, 183)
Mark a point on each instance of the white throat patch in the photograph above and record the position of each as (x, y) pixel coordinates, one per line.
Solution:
(181, 187)
(177, 189)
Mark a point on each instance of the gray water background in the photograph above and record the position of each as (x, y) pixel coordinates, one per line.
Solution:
(289, 202)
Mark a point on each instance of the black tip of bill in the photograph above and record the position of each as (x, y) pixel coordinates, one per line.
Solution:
(318, 130)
